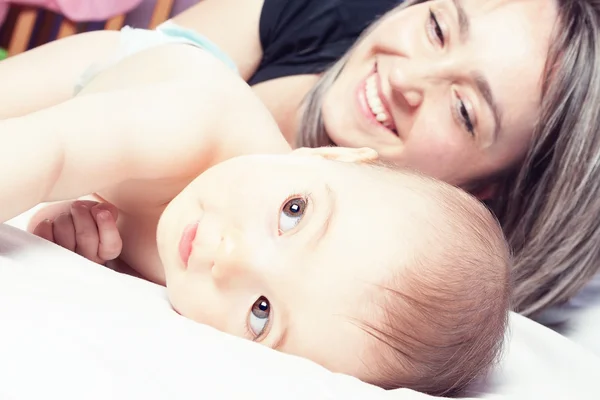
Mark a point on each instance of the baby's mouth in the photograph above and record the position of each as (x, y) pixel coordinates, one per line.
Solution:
(377, 104)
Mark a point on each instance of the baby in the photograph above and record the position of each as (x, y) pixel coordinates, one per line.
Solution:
(394, 278)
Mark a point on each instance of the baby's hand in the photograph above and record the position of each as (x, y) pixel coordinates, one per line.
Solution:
(88, 228)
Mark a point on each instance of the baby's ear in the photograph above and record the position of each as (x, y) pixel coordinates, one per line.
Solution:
(344, 154)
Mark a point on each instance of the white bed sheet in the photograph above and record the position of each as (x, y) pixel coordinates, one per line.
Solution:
(579, 319)
(71, 329)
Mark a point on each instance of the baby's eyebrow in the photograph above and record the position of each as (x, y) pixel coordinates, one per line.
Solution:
(324, 229)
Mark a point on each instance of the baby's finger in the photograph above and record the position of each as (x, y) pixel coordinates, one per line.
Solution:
(86, 231)
(44, 230)
(106, 206)
(64, 231)
(110, 240)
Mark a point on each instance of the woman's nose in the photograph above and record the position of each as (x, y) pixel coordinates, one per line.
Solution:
(407, 86)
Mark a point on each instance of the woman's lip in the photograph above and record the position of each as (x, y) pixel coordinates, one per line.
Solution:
(186, 242)
(384, 101)
(363, 106)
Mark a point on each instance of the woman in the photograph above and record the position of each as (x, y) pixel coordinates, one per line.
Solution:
(497, 97)
(524, 83)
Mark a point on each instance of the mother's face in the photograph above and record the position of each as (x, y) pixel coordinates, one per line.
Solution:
(449, 87)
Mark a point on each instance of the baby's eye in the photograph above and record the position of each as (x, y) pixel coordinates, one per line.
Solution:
(291, 214)
(259, 316)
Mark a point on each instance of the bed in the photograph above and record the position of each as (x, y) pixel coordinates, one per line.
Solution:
(72, 329)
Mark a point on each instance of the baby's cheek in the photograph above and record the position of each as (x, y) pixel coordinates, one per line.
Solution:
(199, 302)
(179, 301)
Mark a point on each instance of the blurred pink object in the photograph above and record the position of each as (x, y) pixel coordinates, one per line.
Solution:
(3, 12)
(77, 10)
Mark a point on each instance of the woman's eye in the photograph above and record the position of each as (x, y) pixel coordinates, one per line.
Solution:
(436, 28)
(291, 214)
(259, 316)
(464, 117)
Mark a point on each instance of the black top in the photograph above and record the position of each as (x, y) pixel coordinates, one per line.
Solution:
(308, 36)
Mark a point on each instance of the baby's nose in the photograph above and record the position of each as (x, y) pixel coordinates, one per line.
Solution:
(234, 256)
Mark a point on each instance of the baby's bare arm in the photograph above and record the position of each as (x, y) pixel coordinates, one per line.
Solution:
(45, 76)
(166, 126)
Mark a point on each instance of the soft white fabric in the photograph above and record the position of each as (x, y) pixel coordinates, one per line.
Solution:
(579, 319)
(71, 329)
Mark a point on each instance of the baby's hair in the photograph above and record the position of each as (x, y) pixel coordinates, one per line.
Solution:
(443, 317)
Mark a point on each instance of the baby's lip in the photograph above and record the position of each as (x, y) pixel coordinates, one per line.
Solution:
(186, 242)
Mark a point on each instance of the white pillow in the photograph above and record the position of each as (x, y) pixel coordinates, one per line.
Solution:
(71, 329)
(579, 319)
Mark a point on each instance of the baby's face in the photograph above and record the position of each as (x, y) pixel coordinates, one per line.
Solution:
(288, 251)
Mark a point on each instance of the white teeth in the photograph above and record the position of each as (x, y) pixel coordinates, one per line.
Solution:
(377, 109)
(381, 117)
(374, 101)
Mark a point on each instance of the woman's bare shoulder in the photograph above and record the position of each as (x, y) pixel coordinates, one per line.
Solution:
(233, 25)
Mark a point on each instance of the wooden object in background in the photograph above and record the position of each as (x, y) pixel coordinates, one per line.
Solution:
(26, 18)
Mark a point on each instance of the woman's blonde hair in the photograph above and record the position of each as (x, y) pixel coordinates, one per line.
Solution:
(549, 206)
